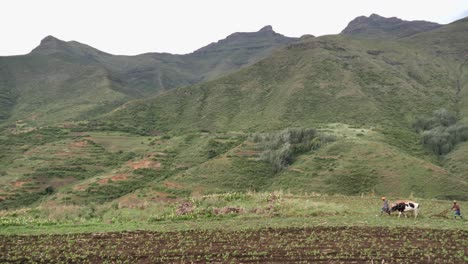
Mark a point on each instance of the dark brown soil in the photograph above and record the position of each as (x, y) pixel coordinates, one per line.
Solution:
(293, 245)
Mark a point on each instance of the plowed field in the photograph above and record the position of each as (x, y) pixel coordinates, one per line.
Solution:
(272, 245)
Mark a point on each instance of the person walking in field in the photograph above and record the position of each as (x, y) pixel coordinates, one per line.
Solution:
(385, 207)
(456, 208)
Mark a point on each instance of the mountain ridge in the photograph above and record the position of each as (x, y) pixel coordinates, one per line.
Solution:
(198, 134)
(374, 86)
(376, 26)
(126, 77)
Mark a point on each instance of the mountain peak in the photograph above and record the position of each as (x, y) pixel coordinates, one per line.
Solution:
(49, 45)
(50, 38)
(265, 38)
(376, 26)
(52, 45)
(376, 16)
(266, 28)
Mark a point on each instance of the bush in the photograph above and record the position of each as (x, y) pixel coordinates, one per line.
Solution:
(441, 133)
(280, 148)
(279, 158)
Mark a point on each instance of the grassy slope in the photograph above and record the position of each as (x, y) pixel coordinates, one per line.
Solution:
(60, 81)
(359, 162)
(376, 87)
(370, 84)
(50, 89)
(448, 43)
(98, 167)
(323, 80)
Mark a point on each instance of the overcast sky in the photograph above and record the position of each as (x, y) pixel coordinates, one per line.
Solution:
(182, 26)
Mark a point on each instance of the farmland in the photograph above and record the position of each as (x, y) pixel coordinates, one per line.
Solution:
(310, 244)
(236, 227)
(283, 158)
(209, 197)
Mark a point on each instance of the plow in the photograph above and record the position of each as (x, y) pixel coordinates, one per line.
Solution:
(442, 214)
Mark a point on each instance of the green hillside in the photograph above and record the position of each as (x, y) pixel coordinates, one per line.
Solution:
(369, 84)
(60, 81)
(315, 81)
(189, 140)
(448, 43)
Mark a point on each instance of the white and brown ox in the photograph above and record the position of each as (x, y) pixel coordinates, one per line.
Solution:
(405, 206)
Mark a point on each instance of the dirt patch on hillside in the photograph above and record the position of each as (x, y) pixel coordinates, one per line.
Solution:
(118, 177)
(80, 187)
(20, 183)
(114, 178)
(161, 197)
(144, 164)
(79, 144)
(64, 154)
(132, 201)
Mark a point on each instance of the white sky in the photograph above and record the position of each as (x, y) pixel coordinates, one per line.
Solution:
(182, 26)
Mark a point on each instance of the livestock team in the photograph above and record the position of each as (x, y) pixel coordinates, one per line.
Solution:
(410, 206)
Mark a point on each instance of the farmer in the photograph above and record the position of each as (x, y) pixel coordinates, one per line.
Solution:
(456, 208)
(385, 207)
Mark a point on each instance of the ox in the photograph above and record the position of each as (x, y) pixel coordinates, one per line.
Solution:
(405, 206)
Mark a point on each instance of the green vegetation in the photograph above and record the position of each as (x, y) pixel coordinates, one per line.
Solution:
(298, 87)
(99, 167)
(243, 226)
(234, 159)
(254, 210)
(441, 132)
(365, 91)
(280, 148)
(63, 81)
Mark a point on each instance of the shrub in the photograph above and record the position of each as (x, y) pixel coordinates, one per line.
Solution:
(279, 158)
(440, 133)
(280, 148)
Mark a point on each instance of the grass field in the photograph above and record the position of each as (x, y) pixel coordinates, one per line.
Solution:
(233, 211)
(237, 227)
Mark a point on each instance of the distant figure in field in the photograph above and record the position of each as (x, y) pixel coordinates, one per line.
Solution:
(385, 207)
(457, 211)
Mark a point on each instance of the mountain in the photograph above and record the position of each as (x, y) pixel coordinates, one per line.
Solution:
(373, 85)
(364, 93)
(62, 80)
(376, 26)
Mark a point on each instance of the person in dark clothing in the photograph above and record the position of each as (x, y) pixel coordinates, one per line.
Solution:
(385, 207)
(457, 211)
